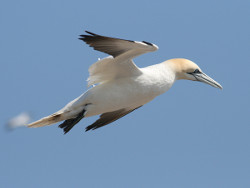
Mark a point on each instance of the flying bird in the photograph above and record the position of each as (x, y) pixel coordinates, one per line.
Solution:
(121, 87)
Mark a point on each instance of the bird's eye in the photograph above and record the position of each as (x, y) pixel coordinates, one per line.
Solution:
(197, 71)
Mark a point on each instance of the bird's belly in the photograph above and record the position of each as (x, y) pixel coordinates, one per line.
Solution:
(117, 95)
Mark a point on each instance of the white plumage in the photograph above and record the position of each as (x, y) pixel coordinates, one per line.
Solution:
(122, 86)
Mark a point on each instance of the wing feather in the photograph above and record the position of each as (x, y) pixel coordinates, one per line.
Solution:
(115, 46)
(107, 69)
(109, 117)
(121, 64)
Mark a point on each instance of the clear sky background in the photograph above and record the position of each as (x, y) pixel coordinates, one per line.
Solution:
(193, 136)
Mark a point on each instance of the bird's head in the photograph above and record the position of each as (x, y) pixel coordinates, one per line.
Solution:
(188, 70)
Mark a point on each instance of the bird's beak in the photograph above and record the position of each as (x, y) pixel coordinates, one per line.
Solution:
(202, 77)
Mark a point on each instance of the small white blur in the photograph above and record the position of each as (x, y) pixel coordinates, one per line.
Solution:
(20, 120)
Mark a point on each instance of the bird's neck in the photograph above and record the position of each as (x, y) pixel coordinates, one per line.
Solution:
(174, 68)
(160, 75)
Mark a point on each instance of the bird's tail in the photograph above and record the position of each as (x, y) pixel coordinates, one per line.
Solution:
(67, 125)
(51, 119)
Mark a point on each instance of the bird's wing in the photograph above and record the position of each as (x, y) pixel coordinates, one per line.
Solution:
(109, 117)
(115, 46)
(121, 64)
(108, 69)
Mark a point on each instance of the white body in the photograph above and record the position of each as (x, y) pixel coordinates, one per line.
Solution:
(124, 92)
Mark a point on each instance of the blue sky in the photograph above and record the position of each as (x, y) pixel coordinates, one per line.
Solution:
(192, 136)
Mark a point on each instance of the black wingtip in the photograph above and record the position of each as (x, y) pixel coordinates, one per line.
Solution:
(85, 38)
(88, 128)
(82, 38)
(148, 43)
(90, 33)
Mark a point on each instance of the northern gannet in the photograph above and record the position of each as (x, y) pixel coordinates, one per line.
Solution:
(121, 86)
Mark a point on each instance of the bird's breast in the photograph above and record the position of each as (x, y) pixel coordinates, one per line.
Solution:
(125, 93)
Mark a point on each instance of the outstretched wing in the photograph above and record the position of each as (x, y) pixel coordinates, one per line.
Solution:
(108, 69)
(121, 64)
(109, 117)
(115, 46)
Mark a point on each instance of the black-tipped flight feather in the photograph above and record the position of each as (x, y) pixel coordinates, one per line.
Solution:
(109, 117)
(116, 46)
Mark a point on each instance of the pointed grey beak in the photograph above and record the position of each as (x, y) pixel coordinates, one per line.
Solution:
(202, 77)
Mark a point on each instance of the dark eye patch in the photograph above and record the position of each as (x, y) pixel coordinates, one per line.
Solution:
(197, 71)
